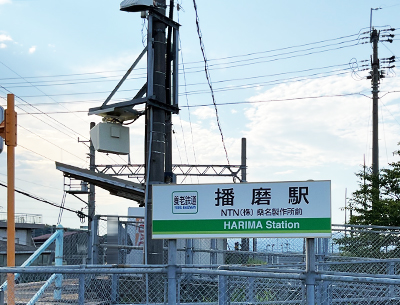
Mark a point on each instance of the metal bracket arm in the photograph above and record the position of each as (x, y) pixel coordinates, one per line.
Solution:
(124, 77)
(166, 107)
(164, 19)
(112, 107)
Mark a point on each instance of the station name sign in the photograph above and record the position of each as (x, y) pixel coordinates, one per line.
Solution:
(240, 210)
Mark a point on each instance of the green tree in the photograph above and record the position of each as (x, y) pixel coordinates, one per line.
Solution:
(377, 206)
(376, 202)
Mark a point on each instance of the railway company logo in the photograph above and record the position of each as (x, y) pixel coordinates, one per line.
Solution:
(185, 202)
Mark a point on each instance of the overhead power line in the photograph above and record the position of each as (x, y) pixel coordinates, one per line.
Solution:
(209, 78)
(197, 62)
(79, 213)
(65, 126)
(47, 115)
(255, 84)
(52, 143)
(284, 100)
(85, 81)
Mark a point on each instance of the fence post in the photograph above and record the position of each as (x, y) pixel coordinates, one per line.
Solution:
(250, 291)
(59, 261)
(310, 270)
(213, 255)
(81, 293)
(391, 272)
(114, 288)
(189, 252)
(172, 272)
(95, 240)
(325, 284)
(1, 296)
(222, 290)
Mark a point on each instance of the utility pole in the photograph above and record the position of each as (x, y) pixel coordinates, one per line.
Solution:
(375, 78)
(8, 131)
(91, 199)
(245, 243)
(155, 128)
(375, 75)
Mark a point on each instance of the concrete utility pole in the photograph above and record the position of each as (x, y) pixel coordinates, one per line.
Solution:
(155, 128)
(91, 198)
(245, 244)
(375, 78)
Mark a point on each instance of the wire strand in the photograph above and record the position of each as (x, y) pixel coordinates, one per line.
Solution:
(209, 79)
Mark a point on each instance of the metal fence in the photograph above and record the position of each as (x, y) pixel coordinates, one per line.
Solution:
(187, 285)
(348, 243)
(23, 218)
(358, 265)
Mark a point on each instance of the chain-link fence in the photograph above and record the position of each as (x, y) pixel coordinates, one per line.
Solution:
(358, 265)
(125, 244)
(155, 285)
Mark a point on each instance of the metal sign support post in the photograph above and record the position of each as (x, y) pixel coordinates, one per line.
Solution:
(310, 270)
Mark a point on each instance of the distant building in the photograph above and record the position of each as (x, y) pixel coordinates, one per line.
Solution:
(25, 225)
(23, 228)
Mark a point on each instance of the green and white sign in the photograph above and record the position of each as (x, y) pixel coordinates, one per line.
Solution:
(273, 209)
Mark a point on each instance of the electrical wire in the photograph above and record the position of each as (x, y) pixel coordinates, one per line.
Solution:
(79, 213)
(52, 126)
(196, 62)
(269, 83)
(19, 125)
(31, 182)
(195, 84)
(208, 76)
(184, 75)
(189, 115)
(282, 100)
(65, 126)
(19, 145)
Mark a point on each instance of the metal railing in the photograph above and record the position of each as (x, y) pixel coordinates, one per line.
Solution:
(358, 265)
(23, 218)
(58, 238)
(172, 284)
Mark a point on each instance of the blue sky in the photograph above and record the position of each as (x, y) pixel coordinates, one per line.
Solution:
(64, 57)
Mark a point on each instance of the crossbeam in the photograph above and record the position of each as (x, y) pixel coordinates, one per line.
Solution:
(138, 170)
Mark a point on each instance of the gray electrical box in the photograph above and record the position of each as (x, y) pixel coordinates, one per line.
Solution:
(110, 138)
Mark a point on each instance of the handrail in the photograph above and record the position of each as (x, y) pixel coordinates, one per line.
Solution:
(42, 289)
(58, 237)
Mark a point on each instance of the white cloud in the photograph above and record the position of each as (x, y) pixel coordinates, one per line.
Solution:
(121, 62)
(310, 130)
(4, 1)
(4, 37)
(204, 113)
(32, 49)
(3, 46)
